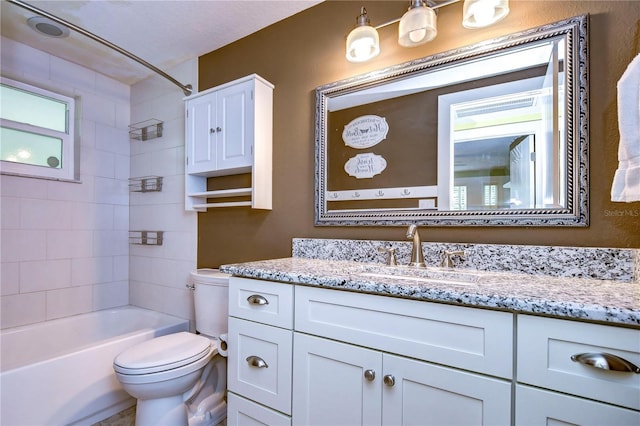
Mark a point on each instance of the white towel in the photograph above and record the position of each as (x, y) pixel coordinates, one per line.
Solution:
(626, 182)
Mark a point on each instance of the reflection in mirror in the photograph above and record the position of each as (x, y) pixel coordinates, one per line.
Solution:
(490, 134)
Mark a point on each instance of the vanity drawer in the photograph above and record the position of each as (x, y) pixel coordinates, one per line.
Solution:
(471, 339)
(266, 302)
(242, 412)
(260, 363)
(546, 347)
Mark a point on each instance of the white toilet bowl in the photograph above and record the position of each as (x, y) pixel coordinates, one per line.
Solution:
(160, 371)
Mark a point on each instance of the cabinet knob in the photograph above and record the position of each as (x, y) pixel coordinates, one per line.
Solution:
(389, 380)
(370, 375)
(256, 361)
(256, 299)
(217, 129)
(606, 361)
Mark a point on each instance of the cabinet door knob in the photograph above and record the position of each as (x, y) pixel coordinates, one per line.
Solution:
(212, 130)
(370, 375)
(606, 361)
(256, 361)
(389, 380)
(256, 299)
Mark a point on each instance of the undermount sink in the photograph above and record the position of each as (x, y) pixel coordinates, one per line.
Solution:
(426, 275)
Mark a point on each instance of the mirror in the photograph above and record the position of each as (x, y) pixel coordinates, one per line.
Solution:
(490, 134)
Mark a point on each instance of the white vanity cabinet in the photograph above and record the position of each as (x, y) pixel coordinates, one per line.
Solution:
(553, 386)
(356, 381)
(229, 131)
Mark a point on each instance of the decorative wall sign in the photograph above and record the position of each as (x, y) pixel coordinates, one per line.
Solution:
(365, 131)
(364, 166)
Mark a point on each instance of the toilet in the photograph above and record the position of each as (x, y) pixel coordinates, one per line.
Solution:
(180, 379)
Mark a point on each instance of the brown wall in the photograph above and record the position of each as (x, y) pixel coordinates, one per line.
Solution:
(307, 50)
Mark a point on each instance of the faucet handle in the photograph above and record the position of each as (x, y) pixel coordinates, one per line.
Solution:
(447, 262)
(391, 260)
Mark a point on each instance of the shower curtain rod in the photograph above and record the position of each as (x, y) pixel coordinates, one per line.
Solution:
(187, 89)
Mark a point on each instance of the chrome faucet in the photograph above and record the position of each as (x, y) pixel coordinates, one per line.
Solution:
(447, 262)
(417, 259)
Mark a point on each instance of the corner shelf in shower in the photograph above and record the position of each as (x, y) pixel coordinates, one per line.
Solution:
(145, 130)
(146, 238)
(145, 184)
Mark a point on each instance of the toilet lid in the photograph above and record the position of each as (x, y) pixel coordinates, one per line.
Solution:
(162, 353)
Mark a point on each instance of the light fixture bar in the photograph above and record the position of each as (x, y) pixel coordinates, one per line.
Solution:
(437, 6)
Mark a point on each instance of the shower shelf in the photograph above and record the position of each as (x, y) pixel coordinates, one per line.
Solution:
(145, 184)
(145, 130)
(146, 238)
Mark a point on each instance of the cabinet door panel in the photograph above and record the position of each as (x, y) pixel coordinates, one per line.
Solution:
(426, 394)
(199, 144)
(330, 387)
(542, 407)
(260, 363)
(233, 146)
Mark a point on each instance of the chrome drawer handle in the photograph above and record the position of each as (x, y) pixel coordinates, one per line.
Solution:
(256, 299)
(606, 361)
(256, 361)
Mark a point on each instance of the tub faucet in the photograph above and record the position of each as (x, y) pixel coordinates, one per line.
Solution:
(417, 259)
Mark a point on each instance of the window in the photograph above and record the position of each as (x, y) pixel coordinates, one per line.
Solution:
(459, 198)
(490, 198)
(37, 132)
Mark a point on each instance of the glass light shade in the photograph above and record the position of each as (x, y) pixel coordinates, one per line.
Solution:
(417, 26)
(482, 13)
(363, 44)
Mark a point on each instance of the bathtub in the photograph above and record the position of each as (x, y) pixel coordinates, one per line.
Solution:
(60, 372)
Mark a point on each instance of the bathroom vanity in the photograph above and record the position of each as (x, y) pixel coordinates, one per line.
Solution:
(314, 341)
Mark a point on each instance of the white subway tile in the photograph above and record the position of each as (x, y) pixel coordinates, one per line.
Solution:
(45, 214)
(98, 109)
(19, 57)
(83, 79)
(16, 186)
(9, 212)
(67, 244)
(44, 275)
(69, 301)
(23, 245)
(121, 218)
(22, 309)
(178, 302)
(9, 278)
(91, 270)
(110, 295)
(112, 139)
(68, 191)
(146, 295)
(120, 268)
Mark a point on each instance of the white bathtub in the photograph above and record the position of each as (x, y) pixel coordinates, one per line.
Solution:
(60, 372)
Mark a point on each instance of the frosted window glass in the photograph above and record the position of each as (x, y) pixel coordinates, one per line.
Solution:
(30, 148)
(29, 108)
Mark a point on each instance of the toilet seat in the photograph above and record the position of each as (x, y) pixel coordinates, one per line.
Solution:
(163, 353)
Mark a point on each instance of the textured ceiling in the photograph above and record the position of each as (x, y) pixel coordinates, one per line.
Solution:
(161, 32)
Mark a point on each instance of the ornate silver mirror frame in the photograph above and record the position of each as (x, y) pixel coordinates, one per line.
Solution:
(572, 209)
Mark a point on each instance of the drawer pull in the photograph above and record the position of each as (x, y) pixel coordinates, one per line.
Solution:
(256, 361)
(256, 299)
(370, 375)
(606, 361)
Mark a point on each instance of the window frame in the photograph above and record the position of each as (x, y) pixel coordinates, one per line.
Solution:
(69, 169)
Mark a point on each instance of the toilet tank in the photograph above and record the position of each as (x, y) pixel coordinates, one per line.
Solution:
(211, 296)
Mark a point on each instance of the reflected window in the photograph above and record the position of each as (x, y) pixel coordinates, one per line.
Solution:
(459, 201)
(37, 135)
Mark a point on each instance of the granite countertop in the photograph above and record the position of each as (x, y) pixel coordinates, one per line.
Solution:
(607, 301)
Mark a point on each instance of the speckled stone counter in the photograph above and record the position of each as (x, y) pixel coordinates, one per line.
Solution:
(611, 301)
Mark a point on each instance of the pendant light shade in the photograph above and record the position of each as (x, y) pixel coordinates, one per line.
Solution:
(418, 25)
(482, 13)
(363, 42)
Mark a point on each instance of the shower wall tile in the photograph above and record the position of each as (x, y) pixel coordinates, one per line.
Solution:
(158, 274)
(69, 301)
(65, 245)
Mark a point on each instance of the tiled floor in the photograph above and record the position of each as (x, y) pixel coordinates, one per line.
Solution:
(128, 418)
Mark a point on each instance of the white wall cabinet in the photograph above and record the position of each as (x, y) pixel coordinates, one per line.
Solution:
(229, 131)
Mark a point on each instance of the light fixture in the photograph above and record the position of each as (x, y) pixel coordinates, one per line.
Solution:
(482, 13)
(418, 25)
(363, 42)
(47, 27)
